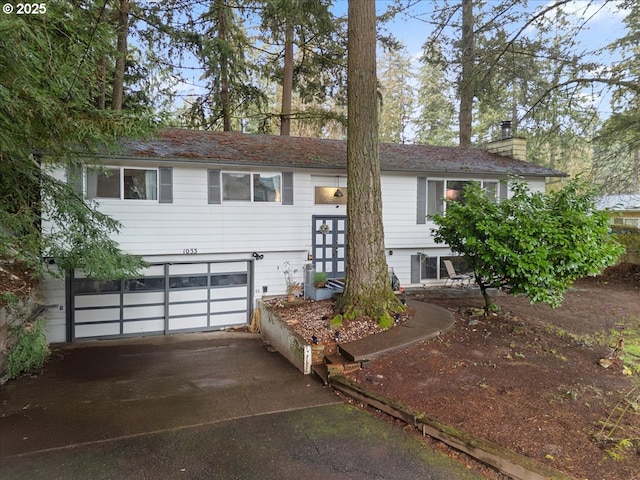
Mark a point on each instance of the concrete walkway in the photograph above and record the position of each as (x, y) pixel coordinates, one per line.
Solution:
(428, 322)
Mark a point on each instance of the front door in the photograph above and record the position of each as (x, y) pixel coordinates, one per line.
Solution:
(329, 244)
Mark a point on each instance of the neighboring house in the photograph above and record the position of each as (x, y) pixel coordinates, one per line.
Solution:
(625, 208)
(217, 214)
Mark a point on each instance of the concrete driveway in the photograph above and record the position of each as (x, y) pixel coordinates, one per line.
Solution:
(215, 405)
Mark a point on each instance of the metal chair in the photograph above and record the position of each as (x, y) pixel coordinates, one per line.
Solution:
(455, 276)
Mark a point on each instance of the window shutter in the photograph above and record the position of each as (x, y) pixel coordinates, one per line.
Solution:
(421, 216)
(287, 188)
(415, 268)
(214, 186)
(166, 185)
(74, 177)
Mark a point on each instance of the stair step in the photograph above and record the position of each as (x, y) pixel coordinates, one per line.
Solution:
(322, 372)
(335, 358)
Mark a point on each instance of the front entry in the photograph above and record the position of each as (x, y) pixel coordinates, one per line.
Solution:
(330, 244)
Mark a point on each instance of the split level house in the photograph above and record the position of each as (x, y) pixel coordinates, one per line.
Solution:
(217, 214)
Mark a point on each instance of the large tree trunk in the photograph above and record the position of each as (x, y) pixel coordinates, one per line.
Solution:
(224, 70)
(287, 80)
(368, 287)
(121, 55)
(465, 84)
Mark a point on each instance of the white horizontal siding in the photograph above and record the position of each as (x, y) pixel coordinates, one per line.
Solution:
(233, 231)
(53, 293)
(150, 228)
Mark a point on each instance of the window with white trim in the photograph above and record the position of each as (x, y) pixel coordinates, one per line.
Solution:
(251, 187)
(438, 191)
(123, 183)
(428, 267)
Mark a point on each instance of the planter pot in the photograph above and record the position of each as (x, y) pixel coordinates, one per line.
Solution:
(317, 294)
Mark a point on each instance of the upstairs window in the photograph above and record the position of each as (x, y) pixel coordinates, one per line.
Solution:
(123, 183)
(438, 191)
(252, 187)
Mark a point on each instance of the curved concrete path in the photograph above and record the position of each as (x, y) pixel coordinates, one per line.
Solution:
(428, 322)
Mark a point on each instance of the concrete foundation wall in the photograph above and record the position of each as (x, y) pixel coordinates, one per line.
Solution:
(282, 337)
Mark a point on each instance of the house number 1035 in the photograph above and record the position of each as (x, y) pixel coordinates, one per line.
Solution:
(190, 251)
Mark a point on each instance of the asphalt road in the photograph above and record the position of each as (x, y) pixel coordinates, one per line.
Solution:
(200, 406)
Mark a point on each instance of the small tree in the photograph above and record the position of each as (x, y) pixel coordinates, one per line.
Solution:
(534, 244)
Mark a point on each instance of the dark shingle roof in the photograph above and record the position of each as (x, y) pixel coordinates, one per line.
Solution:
(240, 149)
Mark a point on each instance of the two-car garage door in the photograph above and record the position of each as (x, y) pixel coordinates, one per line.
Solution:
(169, 298)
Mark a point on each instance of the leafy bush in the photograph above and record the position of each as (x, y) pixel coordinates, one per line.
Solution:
(30, 348)
(532, 243)
(631, 241)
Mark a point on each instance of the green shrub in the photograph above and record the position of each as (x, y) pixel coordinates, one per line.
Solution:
(30, 348)
(319, 279)
(631, 242)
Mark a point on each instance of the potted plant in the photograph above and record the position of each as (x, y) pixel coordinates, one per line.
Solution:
(319, 279)
(294, 288)
(318, 290)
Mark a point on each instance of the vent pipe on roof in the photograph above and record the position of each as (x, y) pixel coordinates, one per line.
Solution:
(505, 128)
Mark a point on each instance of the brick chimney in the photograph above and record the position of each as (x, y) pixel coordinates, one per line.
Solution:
(508, 145)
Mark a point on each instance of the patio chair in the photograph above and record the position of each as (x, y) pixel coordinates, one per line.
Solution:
(455, 276)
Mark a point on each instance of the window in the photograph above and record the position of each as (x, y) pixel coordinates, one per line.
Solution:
(266, 188)
(438, 191)
(228, 279)
(103, 183)
(88, 285)
(428, 267)
(140, 184)
(247, 187)
(145, 284)
(188, 281)
(123, 183)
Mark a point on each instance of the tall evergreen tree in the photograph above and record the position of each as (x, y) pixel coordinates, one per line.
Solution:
(48, 86)
(368, 287)
(617, 157)
(307, 48)
(435, 122)
(397, 95)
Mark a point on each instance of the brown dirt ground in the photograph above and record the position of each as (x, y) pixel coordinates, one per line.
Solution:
(529, 378)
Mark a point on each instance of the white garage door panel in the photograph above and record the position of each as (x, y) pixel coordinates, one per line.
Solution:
(188, 269)
(187, 309)
(97, 300)
(156, 311)
(187, 295)
(144, 326)
(140, 298)
(228, 292)
(153, 271)
(229, 305)
(107, 314)
(99, 330)
(188, 323)
(225, 267)
(226, 319)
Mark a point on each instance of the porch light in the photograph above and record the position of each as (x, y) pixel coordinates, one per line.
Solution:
(338, 193)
